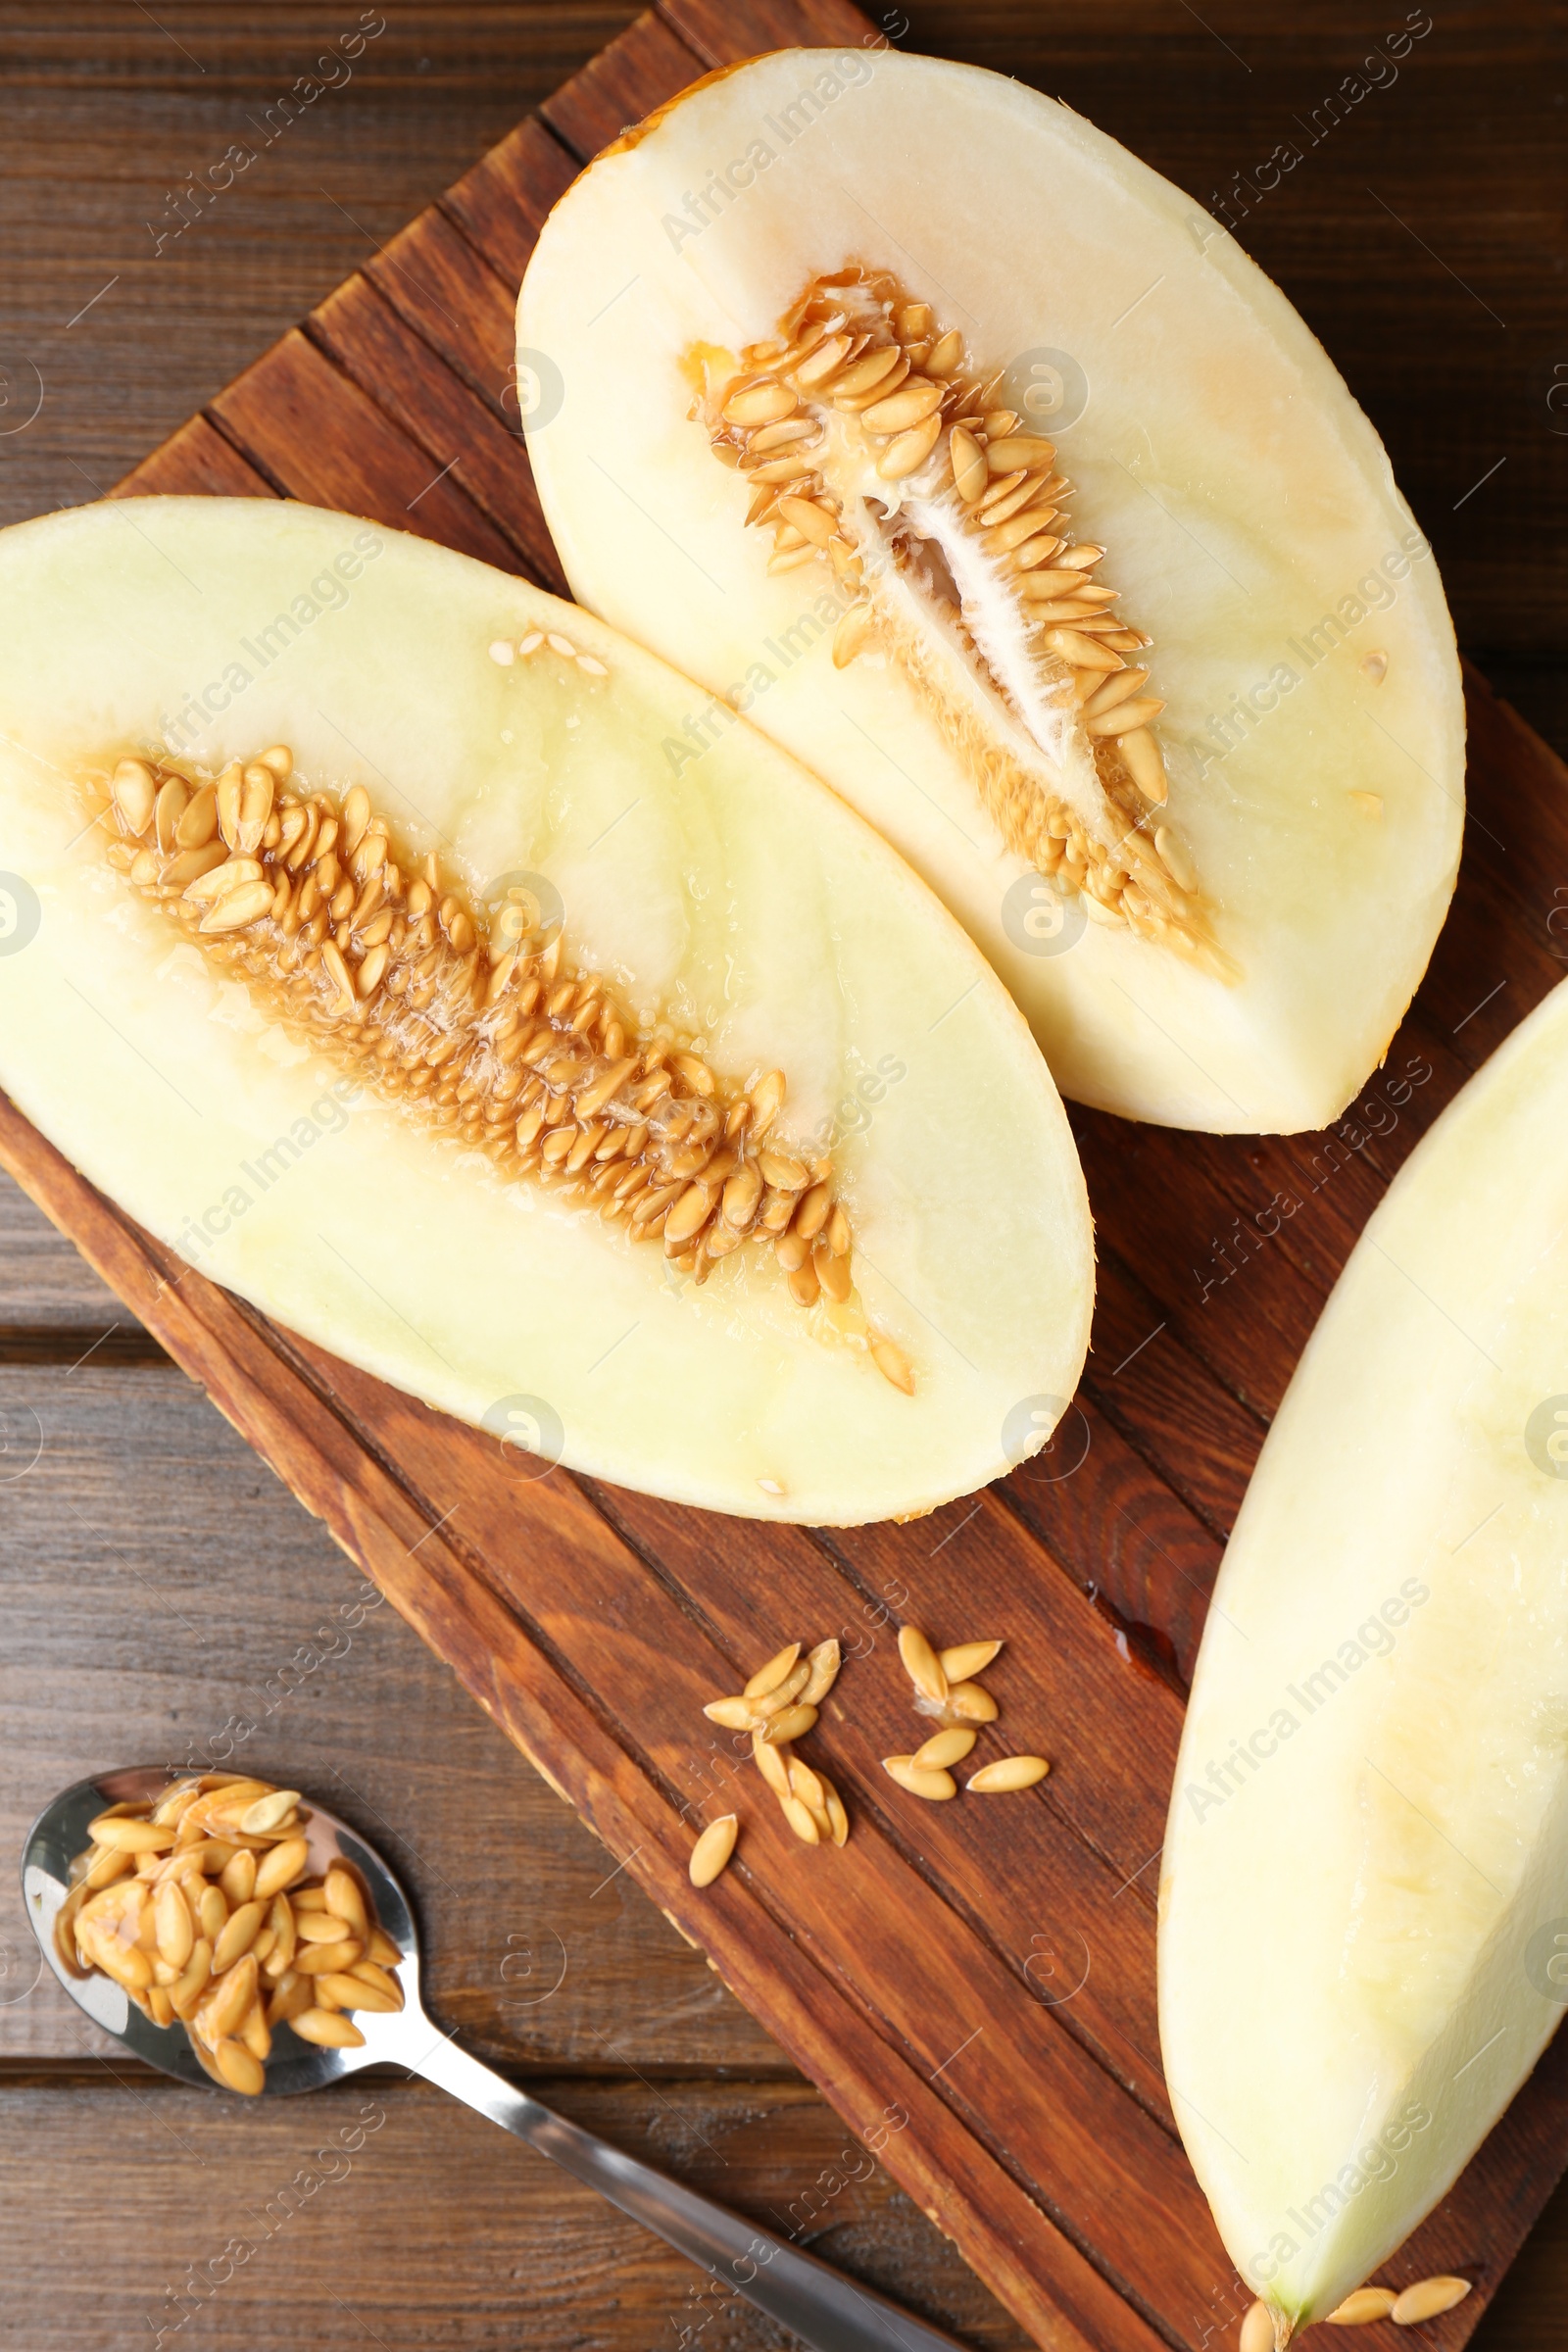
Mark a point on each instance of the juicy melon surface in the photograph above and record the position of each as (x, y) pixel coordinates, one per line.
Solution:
(1364, 1934)
(740, 905)
(1311, 726)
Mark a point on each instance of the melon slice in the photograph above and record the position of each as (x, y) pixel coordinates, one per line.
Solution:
(357, 939)
(973, 462)
(1364, 1939)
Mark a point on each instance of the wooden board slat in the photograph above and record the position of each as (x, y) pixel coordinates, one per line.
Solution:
(377, 351)
(502, 203)
(645, 66)
(340, 2213)
(722, 34)
(317, 437)
(197, 459)
(432, 276)
(997, 1989)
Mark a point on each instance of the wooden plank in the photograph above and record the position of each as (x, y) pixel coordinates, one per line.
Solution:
(385, 2212)
(117, 111)
(626, 80)
(449, 294)
(52, 1305)
(1135, 1367)
(197, 459)
(317, 437)
(722, 33)
(364, 337)
(1526, 2313)
(502, 203)
(1177, 1230)
(1128, 1542)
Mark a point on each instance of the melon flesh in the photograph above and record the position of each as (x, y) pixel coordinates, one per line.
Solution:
(1363, 1946)
(739, 912)
(1293, 843)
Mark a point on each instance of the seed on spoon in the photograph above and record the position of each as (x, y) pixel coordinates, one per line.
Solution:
(224, 1932)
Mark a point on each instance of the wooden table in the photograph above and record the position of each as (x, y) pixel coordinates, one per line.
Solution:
(163, 1593)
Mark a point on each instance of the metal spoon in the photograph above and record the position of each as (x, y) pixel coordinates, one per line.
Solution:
(818, 2304)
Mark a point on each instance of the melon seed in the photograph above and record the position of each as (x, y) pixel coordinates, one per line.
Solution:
(713, 1849)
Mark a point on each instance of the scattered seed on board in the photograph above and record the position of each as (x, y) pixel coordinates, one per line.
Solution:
(732, 1714)
(1359, 2310)
(945, 1687)
(944, 1748)
(964, 1702)
(778, 1707)
(802, 1820)
(791, 1723)
(1008, 1773)
(935, 1786)
(921, 1664)
(1427, 2299)
(823, 1662)
(1257, 2329)
(768, 1678)
(780, 1697)
(967, 1659)
(714, 1849)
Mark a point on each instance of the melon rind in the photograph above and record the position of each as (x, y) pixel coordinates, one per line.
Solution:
(1364, 1937)
(742, 895)
(1242, 493)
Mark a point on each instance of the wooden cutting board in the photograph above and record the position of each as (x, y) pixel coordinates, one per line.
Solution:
(973, 1986)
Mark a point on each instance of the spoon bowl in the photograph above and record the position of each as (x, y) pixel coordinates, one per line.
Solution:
(59, 1833)
(818, 2304)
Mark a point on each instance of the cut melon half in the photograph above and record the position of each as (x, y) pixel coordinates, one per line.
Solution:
(1364, 1939)
(357, 939)
(977, 466)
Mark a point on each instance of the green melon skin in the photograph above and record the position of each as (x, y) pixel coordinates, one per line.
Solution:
(1363, 1946)
(1253, 525)
(740, 899)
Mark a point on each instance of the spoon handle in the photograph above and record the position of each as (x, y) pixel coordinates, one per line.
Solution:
(819, 2305)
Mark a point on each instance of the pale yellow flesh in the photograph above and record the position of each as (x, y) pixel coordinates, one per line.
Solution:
(1356, 1949)
(743, 901)
(1240, 490)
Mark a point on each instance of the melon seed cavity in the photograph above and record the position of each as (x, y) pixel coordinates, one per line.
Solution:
(872, 445)
(477, 1027)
